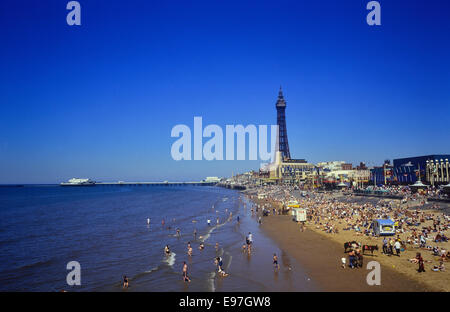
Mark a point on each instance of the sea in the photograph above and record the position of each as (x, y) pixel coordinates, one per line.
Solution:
(104, 228)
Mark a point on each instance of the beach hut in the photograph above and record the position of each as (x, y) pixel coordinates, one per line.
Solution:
(383, 227)
(299, 214)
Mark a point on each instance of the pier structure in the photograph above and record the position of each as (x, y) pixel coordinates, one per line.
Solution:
(164, 183)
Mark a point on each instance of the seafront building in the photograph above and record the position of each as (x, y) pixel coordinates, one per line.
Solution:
(432, 169)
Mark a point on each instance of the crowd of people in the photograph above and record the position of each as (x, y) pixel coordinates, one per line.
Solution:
(416, 228)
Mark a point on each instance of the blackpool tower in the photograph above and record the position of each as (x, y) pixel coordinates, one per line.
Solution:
(283, 145)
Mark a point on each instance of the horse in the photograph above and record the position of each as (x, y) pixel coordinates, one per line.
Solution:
(370, 248)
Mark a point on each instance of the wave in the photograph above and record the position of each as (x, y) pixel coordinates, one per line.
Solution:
(212, 276)
(36, 264)
(229, 261)
(144, 273)
(208, 233)
(170, 260)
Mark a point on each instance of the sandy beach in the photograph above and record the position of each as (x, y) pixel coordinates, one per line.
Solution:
(320, 252)
(320, 256)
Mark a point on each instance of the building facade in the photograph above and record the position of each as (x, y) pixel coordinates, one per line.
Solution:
(432, 169)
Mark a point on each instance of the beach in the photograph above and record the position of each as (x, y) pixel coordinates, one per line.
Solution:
(320, 247)
(320, 257)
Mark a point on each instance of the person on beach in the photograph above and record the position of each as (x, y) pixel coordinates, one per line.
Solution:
(344, 261)
(385, 248)
(275, 262)
(421, 263)
(185, 273)
(397, 246)
(125, 281)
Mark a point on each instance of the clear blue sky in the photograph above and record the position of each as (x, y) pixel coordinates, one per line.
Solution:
(99, 100)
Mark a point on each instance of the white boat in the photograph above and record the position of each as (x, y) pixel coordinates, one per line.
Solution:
(78, 182)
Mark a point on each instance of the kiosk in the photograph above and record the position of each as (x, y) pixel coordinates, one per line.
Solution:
(383, 227)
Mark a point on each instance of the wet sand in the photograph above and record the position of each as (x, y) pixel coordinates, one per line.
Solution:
(320, 257)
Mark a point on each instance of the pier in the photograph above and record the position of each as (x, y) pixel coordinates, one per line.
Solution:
(164, 183)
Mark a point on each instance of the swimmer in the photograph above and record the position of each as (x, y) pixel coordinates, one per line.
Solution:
(202, 246)
(167, 250)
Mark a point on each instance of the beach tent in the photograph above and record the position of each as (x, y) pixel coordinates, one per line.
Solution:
(384, 227)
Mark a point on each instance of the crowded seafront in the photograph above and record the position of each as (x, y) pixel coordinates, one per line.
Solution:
(417, 252)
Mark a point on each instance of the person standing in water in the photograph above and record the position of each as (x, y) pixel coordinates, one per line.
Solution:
(189, 249)
(125, 281)
(185, 273)
(275, 262)
(167, 250)
(249, 241)
(148, 221)
(195, 234)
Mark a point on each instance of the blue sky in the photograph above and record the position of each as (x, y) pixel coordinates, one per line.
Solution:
(99, 100)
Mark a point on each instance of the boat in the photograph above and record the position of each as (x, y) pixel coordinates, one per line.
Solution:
(78, 182)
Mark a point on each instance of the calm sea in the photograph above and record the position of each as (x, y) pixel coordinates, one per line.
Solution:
(105, 229)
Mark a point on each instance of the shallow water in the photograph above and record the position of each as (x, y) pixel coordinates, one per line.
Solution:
(104, 228)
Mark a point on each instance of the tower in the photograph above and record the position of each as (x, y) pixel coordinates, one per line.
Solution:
(283, 145)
